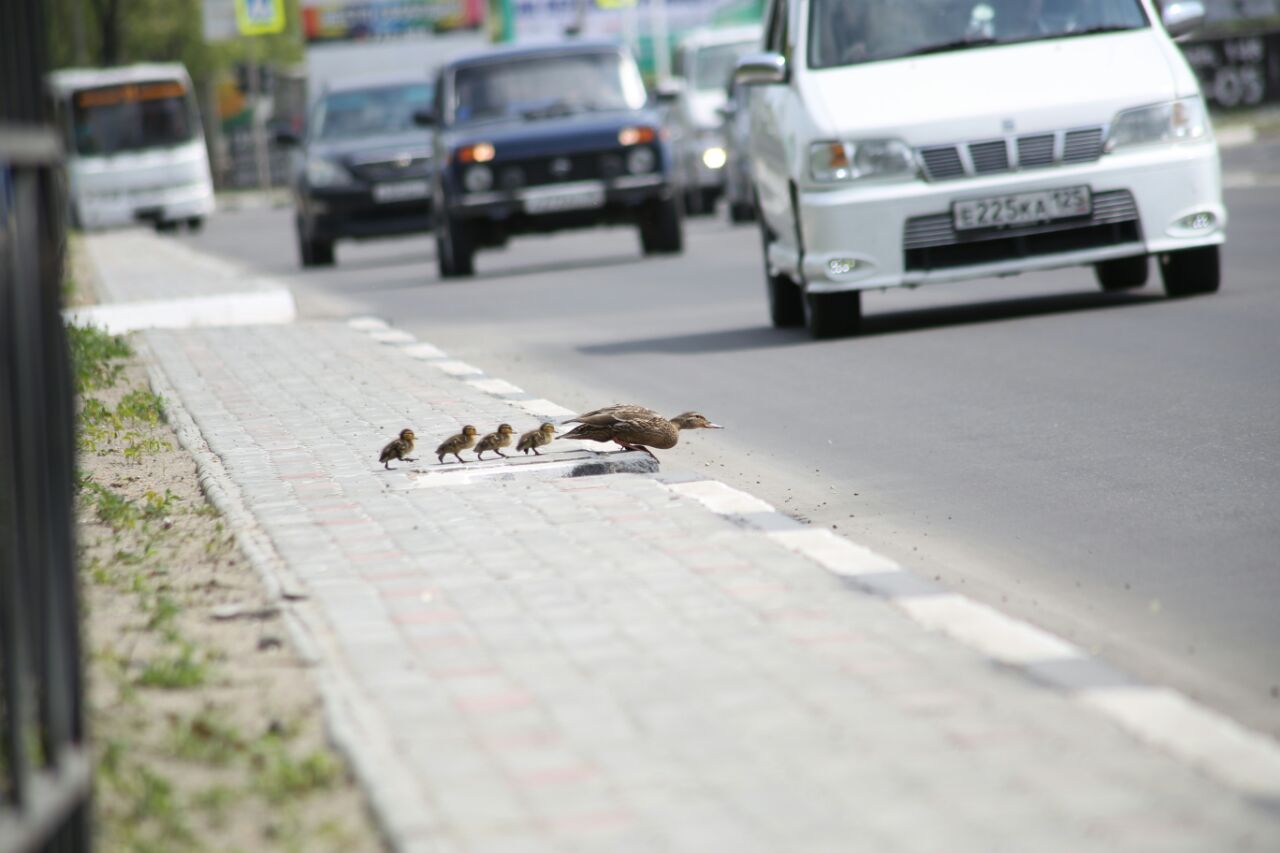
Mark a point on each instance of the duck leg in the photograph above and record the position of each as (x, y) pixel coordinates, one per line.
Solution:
(460, 459)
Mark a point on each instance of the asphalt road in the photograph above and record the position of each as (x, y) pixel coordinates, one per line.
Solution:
(1107, 466)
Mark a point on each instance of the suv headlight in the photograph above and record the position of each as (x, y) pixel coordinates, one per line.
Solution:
(838, 162)
(1172, 122)
(326, 173)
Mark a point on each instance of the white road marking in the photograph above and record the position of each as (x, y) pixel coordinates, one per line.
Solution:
(1216, 744)
(392, 336)
(986, 629)
(834, 553)
(367, 324)
(251, 308)
(421, 350)
(544, 408)
(495, 386)
(459, 368)
(1234, 137)
(720, 498)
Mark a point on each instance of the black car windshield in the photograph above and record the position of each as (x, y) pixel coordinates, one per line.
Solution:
(713, 65)
(546, 86)
(131, 117)
(847, 32)
(376, 111)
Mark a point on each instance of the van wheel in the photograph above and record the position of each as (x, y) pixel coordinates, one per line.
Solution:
(166, 226)
(195, 224)
(833, 315)
(786, 299)
(661, 231)
(740, 212)
(1122, 273)
(1191, 271)
(455, 249)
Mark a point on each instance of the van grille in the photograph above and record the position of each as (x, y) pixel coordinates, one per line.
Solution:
(994, 156)
(931, 242)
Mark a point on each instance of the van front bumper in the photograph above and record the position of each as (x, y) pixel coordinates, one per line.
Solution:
(900, 234)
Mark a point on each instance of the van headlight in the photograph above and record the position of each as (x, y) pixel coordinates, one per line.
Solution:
(838, 162)
(326, 173)
(1173, 122)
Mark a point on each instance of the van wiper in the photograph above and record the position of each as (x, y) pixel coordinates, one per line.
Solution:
(958, 44)
(1100, 28)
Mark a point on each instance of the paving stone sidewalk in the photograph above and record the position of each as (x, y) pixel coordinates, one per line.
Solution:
(603, 664)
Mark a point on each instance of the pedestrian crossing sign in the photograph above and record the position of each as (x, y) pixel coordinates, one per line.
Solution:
(259, 17)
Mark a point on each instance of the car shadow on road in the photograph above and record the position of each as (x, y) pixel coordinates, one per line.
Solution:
(873, 325)
(557, 266)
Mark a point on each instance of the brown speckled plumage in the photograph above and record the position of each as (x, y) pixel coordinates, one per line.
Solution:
(455, 444)
(495, 441)
(535, 438)
(398, 448)
(635, 427)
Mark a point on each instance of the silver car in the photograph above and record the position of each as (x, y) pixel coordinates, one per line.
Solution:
(704, 63)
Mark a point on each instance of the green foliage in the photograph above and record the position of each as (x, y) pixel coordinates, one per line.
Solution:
(93, 353)
(281, 777)
(183, 669)
(206, 738)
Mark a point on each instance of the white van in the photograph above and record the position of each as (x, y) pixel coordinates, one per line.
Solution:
(135, 147)
(908, 142)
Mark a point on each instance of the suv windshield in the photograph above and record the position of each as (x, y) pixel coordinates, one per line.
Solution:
(713, 65)
(375, 111)
(131, 117)
(847, 32)
(546, 86)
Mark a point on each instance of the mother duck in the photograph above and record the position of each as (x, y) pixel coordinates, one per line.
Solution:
(635, 427)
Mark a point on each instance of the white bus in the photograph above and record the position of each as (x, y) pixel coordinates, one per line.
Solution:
(135, 147)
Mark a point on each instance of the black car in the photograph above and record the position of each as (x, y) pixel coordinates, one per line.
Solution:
(538, 139)
(364, 168)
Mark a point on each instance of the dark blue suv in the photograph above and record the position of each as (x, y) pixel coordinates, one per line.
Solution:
(539, 139)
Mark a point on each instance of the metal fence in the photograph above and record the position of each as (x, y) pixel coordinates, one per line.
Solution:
(44, 762)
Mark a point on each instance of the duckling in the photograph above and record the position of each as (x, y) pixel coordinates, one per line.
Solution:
(495, 441)
(535, 438)
(455, 444)
(635, 427)
(398, 448)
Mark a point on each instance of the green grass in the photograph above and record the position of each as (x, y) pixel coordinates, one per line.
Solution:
(181, 670)
(206, 738)
(281, 777)
(93, 353)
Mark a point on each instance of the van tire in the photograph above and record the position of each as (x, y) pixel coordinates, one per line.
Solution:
(833, 315)
(1122, 273)
(740, 212)
(1190, 272)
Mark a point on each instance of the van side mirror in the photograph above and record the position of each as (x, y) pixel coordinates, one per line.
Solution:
(1182, 17)
(760, 69)
(424, 118)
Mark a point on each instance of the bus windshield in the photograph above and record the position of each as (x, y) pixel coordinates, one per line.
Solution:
(131, 117)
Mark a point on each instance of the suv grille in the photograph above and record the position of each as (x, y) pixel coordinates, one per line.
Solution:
(993, 156)
(931, 242)
(416, 165)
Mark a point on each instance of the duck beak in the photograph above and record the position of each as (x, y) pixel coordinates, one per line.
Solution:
(714, 426)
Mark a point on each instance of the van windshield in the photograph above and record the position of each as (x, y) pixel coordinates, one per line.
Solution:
(131, 117)
(848, 32)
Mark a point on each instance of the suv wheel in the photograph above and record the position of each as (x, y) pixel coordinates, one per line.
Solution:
(661, 231)
(455, 250)
(740, 212)
(313, 253)
(1191, 271)
(833, 315)
(1122, 273)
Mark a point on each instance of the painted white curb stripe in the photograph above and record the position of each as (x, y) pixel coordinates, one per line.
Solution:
(459, 368)
(988, 630)
(1205, 738)
(834, 553)
(720, 498)
(420, 350)
(250, 308)
(1233, 137)
(367, 324)
(392, 336)
(545, 408)
(495, 386)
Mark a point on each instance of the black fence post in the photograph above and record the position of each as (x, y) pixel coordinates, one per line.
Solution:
(45, 769)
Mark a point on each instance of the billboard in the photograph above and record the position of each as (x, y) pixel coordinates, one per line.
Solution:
(350, 20)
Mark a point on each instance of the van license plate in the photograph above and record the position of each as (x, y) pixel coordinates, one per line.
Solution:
(401, 191)
(1021, 208)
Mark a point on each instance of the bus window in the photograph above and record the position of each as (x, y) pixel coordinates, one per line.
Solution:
(131, 117)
